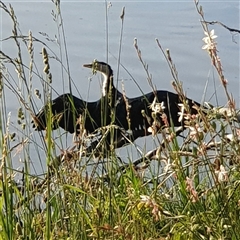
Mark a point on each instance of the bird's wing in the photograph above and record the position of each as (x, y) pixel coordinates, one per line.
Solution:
(64, 109)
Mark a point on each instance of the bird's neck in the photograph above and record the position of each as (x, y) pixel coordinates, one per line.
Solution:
(107, 83)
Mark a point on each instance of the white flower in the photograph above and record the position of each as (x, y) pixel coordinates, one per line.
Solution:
(181, 113)
(209, 40)
(222, 174)
(145, 198)
(194, 131)
(157, 107)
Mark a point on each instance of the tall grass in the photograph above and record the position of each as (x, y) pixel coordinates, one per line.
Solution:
(187, 188)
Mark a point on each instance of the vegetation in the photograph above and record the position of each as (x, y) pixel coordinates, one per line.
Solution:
(187, 188)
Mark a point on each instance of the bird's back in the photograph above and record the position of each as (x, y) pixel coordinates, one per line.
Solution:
(134, 118)
(65, 110)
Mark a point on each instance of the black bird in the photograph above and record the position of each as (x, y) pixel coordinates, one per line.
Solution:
(137, 114)
(67, 111)
(134, 114)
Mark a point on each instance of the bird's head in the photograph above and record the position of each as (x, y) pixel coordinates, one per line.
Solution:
(106, 71)
(101, 67)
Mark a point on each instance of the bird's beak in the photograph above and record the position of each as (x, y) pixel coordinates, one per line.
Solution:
(88, 65)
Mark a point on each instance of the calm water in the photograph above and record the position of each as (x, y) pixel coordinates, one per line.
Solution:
(174, 23)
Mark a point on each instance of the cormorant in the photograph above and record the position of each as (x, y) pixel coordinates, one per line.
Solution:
(134, 114)
(137, 114)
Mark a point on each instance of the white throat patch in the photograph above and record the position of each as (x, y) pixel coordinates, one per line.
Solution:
(105, 84)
